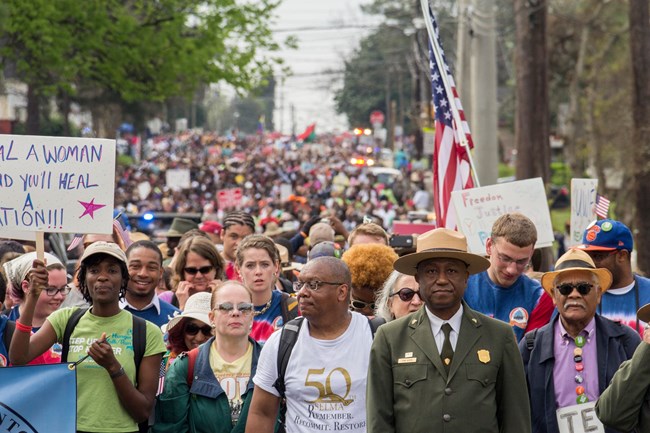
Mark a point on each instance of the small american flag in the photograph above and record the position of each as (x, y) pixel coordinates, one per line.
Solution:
(451, 166)
(602, 206)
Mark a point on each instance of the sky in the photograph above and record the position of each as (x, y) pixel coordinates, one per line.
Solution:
(327, 33)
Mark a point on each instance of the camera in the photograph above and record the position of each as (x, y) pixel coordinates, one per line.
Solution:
(401, 241)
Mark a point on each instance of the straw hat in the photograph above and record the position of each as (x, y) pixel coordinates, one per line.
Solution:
(576, 260)
(273, 229)
(284, 259)
(197, 307)
(445, 244)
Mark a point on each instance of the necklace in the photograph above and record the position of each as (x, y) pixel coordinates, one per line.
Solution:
(266, 307)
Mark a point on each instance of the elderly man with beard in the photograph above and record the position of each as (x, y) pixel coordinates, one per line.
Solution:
(570, 361)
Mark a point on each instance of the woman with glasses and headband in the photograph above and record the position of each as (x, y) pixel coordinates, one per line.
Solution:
(258, 264)
(209, 389)
(198, 267)
(399, 296)
(370, 266)
(189, 329)
(48, 301)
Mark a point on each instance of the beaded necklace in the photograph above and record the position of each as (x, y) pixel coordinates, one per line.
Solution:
(579, 341)
(266, 307)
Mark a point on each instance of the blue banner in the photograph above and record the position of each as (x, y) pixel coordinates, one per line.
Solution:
(38, 399)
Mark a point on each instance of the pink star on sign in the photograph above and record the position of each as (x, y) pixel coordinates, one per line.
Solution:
(90, 208)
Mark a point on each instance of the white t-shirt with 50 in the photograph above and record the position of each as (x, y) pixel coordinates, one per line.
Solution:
(325, 380)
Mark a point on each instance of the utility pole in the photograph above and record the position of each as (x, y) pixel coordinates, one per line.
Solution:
(484, 104)
(463, 58)
(293, 119)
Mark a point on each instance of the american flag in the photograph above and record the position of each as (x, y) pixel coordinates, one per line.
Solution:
(451, 167)
(602, 206)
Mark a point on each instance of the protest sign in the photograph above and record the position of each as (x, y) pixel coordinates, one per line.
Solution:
(583, 205)
(56, 184)
(22, 404)
(229, 198)
(178, 178)
(478, 208)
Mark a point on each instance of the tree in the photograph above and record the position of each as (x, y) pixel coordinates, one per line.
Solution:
(640, 50)
(532, 110)
(111, 51)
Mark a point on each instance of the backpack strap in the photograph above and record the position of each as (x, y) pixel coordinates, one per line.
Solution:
(191, 360)
(139, 342)
(530, 339)
(375, 323)
(8, 333)
(67, 333)
(289, 306)
(288, 338)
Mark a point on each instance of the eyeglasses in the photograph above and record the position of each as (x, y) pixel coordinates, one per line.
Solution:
(193, 329)
(360, 305)
(599, 256)
(52, 291)
(521, 263)
(227, 307)
(406, 294)
(567, 288)
(314, 285)
(203, 270)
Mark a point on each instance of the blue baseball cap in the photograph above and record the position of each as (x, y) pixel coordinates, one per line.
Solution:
(607, 235)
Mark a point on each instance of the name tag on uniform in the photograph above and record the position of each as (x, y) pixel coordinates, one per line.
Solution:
(580, 418)
(406, 360)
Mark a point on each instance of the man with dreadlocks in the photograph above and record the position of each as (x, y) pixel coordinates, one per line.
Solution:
(236, 226)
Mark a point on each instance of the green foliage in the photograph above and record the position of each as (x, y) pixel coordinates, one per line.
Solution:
(506, 170)
(378, 65)
(124, 160)
(560, 174)
(140, 50)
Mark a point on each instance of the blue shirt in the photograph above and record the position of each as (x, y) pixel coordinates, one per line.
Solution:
(512, 304)
(4, 351)
(159, 314)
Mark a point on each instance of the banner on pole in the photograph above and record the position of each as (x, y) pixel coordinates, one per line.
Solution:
(56, 184)
(38, 399)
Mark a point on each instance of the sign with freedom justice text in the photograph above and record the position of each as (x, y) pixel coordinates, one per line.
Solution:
(56, 184)
(478, 208)
(38, 399)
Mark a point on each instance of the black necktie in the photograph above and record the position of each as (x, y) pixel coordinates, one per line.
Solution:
(447, 353)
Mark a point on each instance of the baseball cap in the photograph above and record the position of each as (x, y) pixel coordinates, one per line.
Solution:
(211, 227)
(101, 247)
(607, 235)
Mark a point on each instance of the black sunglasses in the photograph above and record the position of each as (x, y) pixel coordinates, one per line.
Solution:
(193, 329)
(203, 270)
(406, 294)
(360, 305)
(566, 288)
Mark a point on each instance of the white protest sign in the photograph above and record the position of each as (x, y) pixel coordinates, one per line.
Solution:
(144, 189)
(178, 178)
(478, 208)
(17, 235)
(285, 192)
(580, 418)
(583, 207)
(56, 184)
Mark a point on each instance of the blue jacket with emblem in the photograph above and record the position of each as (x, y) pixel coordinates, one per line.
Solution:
(615, 343)
(203, 407)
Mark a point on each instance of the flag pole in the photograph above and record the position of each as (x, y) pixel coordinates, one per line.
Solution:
(460, 130)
